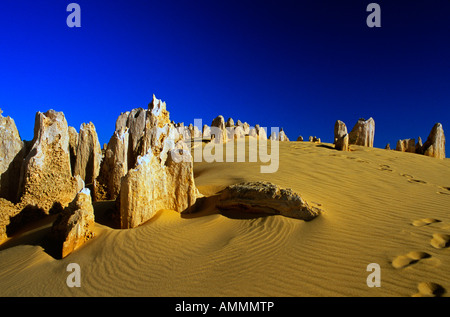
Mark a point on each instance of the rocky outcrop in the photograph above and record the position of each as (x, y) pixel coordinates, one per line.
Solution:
(300, 138)
(7, 210)
(282, 137)
(246, 128)
(73, 147)
(46, 176)
(162, 178)
(229, 123)
(89, 154)
(137, 131)
(11, 156)
(434, 146)
(194, 131)
(206, 131)
(363, 133)
(261, 132)
(238, 133)
(265, 198)
(75, 225)
(273, 136)
(156, 184)
(340, 136)
(218, 129)
(419, 146)
(114, 166)
(406, 145)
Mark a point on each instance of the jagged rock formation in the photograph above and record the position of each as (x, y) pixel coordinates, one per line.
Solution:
(273, 136)
(114, 166)
(434, 146)
(11, 155)
(261, 132)
(340, 136)
(157, 183)
(46, 176)
(300, 138)
(136, 132)
(363, 133)
(406, 145)
(238, 132)
(194, 131)
(206, 131)
(265, 198)
(162, 178)
(419, 146)
(74, 226)
(282, 136)
(89, 154)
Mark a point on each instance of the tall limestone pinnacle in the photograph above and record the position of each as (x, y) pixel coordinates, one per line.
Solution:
(139, 170)
(46, 175)
(363, 133)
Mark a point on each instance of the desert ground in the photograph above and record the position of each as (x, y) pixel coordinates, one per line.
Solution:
(379, 206)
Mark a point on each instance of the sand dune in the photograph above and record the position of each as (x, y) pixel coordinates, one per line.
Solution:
(385, 207)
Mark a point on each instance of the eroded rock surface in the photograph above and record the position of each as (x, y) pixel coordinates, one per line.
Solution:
(75, 225)
(266, 198)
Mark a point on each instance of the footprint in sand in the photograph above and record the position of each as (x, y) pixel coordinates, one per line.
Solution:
(446, 192)
(403, 261)
(412, 180)
(385, 167)
(424, 222)
(429, 289)
(440, 240)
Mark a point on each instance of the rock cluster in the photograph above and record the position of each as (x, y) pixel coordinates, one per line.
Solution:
(145, 167)
(407, 145)
(265, 198)
(221, 131)
(434, 146)
(314, 139)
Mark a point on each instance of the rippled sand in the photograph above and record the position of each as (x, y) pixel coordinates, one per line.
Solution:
(381, 206)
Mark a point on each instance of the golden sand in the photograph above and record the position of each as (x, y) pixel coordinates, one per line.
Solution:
(381, 206)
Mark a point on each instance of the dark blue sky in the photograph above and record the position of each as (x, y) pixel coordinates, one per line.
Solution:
(300, 65)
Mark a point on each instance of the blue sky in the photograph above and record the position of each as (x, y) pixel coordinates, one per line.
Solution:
(300, 65)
